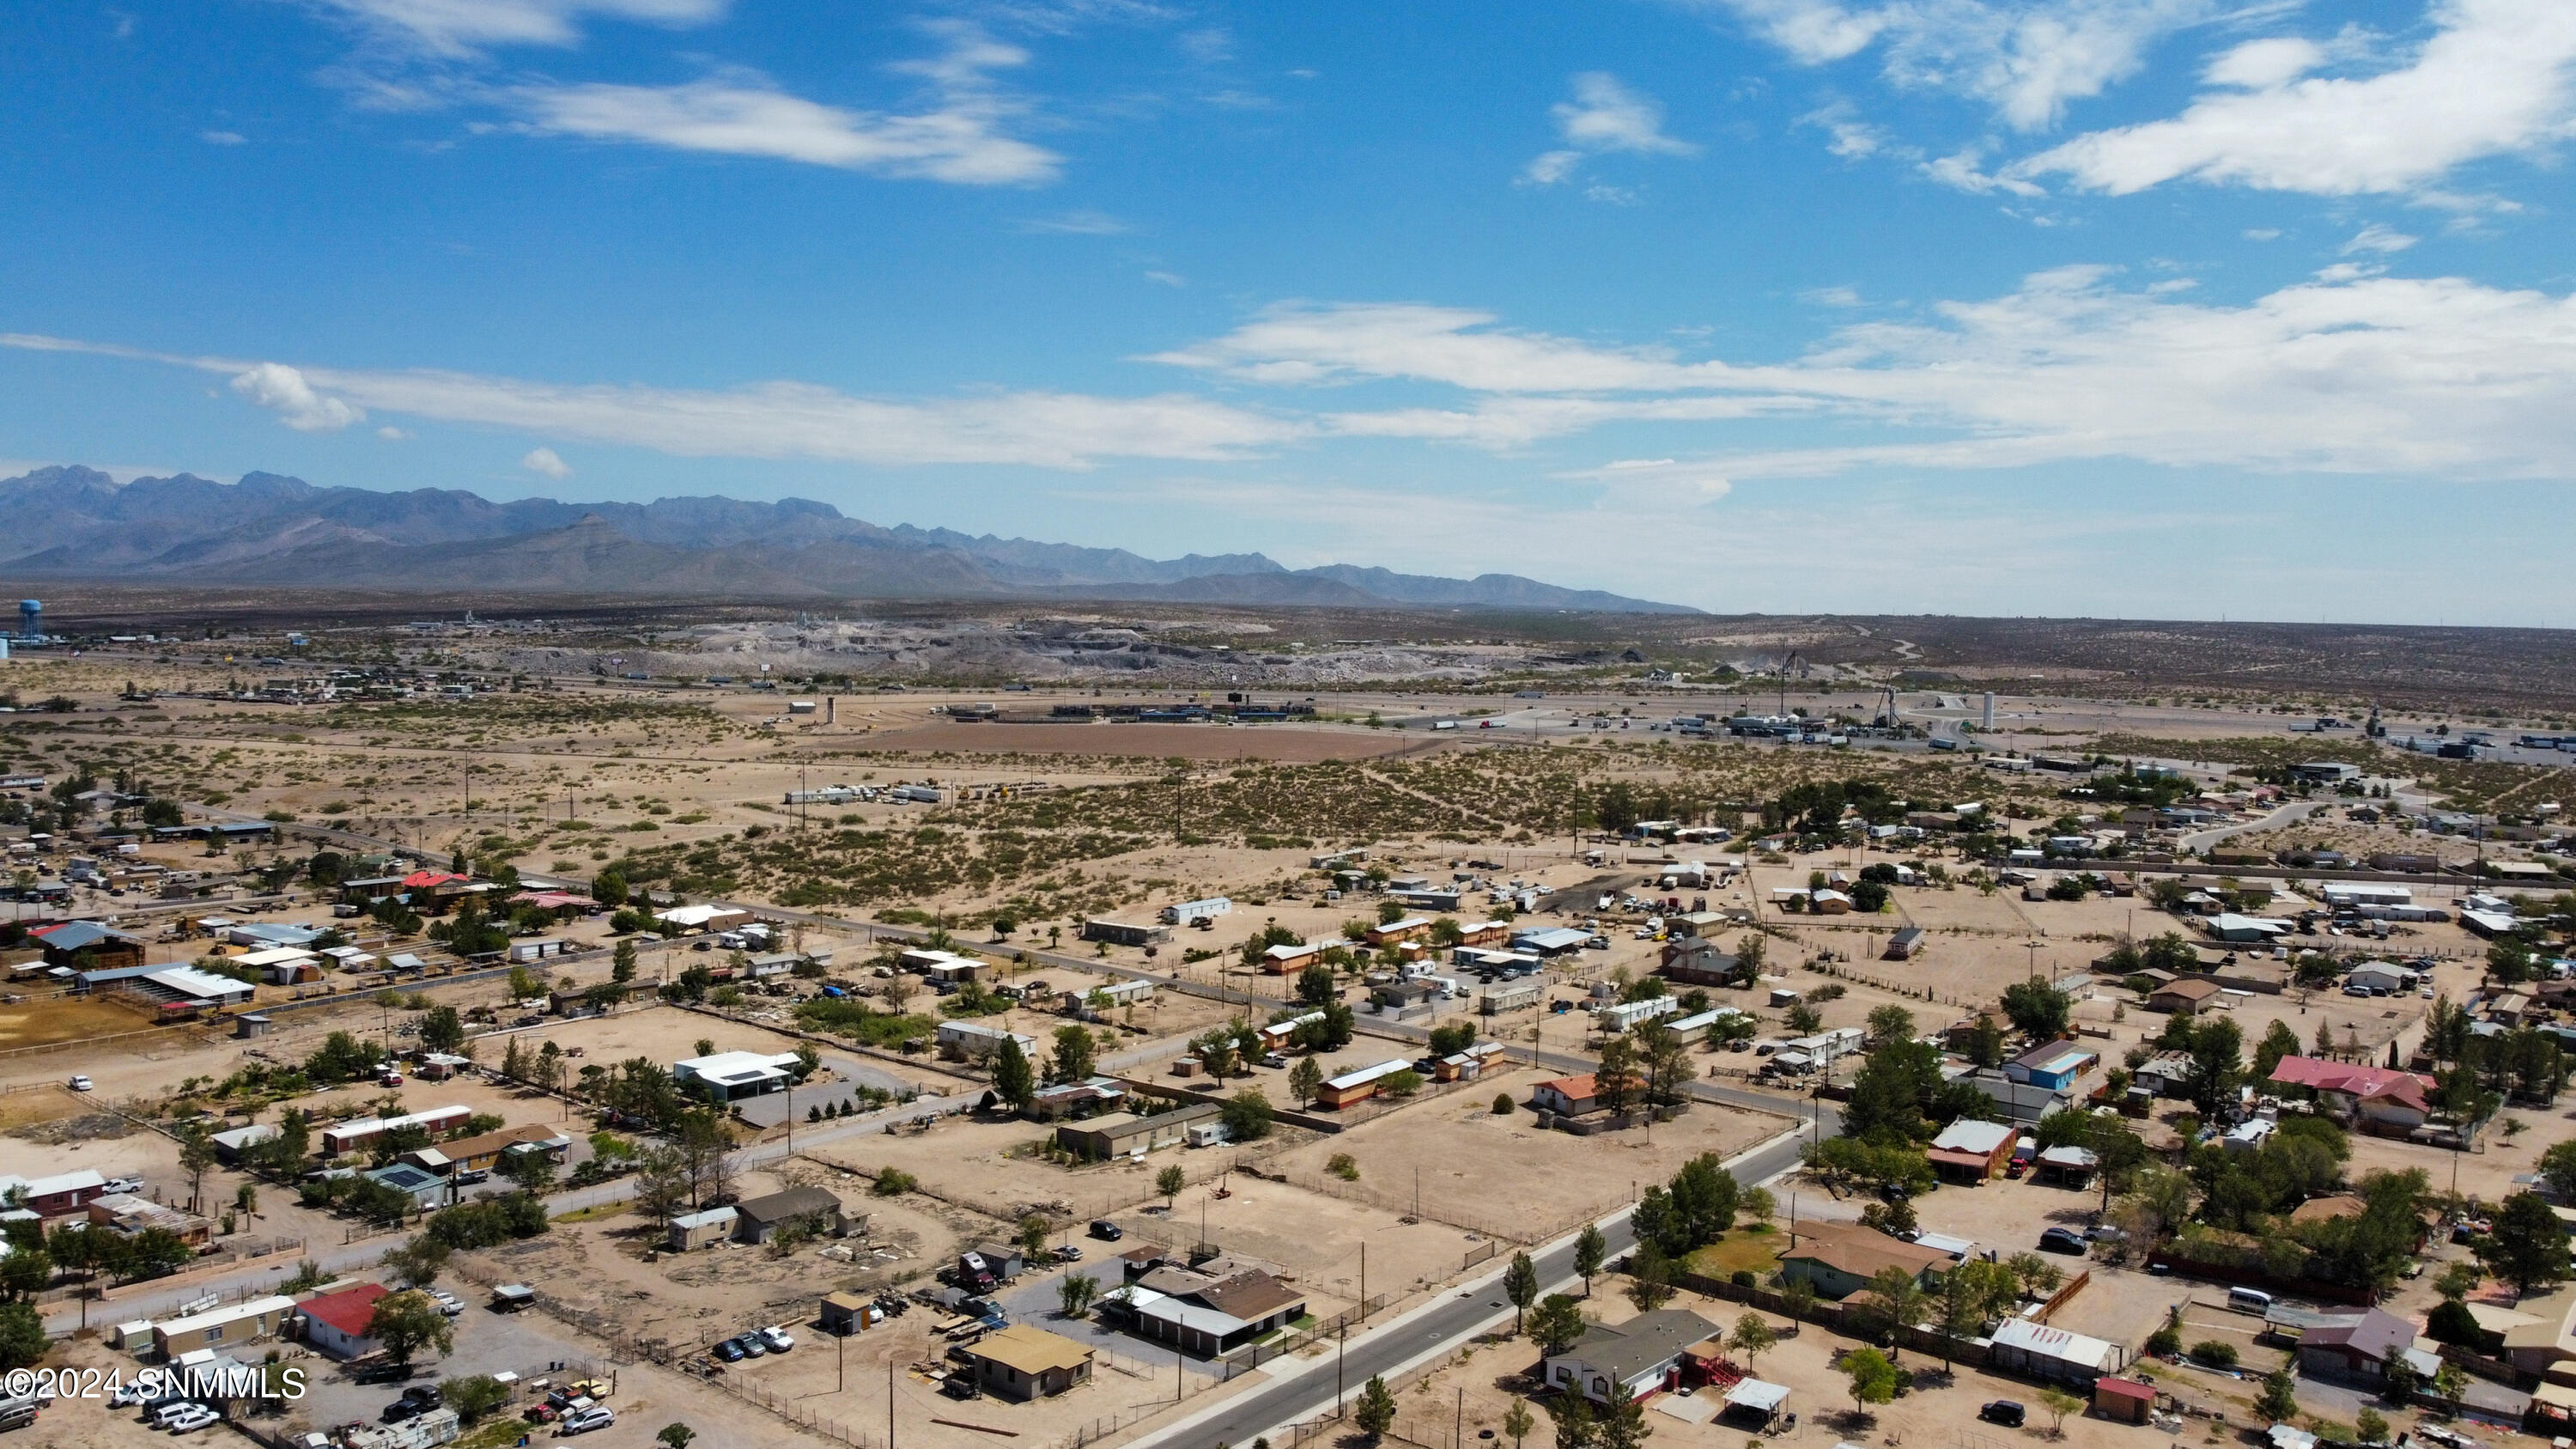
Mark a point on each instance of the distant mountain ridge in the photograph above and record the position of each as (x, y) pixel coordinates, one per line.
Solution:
(76, 522)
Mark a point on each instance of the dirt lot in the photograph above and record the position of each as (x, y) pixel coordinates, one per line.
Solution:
(65, 1018)
(1547, 1181)
(1299, 744)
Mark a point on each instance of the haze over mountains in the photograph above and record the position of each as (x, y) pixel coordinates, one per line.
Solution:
(76, 522)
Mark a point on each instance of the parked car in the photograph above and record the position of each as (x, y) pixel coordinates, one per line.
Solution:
(582, 1421)
(2061, 1240)
(1106, 1231)
(425, 1395)
(402, 1409)
(1273, 1060)
(2005, 1412)
(448, 1303)
(161, 1416)
(777, 1338)
(730, 1351)
(124, 1184)
(752, 1347)
(82, 1084)
(1068, 1254)
(191, 1418)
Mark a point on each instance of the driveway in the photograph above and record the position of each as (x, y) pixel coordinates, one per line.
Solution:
(849, 1075)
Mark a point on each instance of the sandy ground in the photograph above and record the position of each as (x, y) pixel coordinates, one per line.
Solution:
(1504, 1171)
(1292, 743)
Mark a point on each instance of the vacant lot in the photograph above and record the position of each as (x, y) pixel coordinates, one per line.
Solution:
(1501, 1171)
(66, 1018)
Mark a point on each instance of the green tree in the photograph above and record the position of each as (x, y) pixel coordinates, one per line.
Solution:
(1557, 1323)
(407, 1322)
(442, 1029)
(1894, 1301)
(1316, 986)
(1591, 1250)
(530, 1172)
(675, 1435)
(1375, 1411)
(1247, 1116)
(2527, 1249)
(2558, 1169)
(1575, 1426)
(474, 1396)
(1873, 1378)
(1650, 1278)
(196, 1159)
(2279, 1400)
(2278, 1041)
(1169, 1183)
(1073, 1054)
(1014, 1080)
(417, 1263)
(2037, 1009)
(1753, 1337)
(2370, 1427)
(2059, 1404)
(1075, 1293)
(1305, 1079)
(1622, 1420)
(2449, 1383)
(1518, 1421)
(1890, 1024)
(1520, 1285)
(23, 1341)
(621, 963)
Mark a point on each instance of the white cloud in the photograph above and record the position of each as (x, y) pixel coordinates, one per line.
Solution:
(1831, 296)
(223, 138)
(2352, 372)
(287, 391)
(2498, 77)
(2025, 58)
(1850, 137)
(1604, 116)
(1077, 223)
(2378, 238)
(545, 460)
(1168, 279)
(960, 138)
(391, 434)
(459, 28)
(2262, 233)
(762, 420)
(1960, 172)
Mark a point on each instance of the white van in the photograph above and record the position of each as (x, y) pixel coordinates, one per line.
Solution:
(2249, 1300)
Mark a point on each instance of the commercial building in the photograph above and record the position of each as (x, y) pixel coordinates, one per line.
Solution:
(732, 1076)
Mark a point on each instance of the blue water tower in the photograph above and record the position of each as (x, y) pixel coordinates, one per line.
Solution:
(31, 620)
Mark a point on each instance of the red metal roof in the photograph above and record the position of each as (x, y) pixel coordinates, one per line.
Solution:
(349, 1310)
(2126, 1389)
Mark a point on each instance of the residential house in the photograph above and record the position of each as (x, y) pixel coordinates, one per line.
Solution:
(2166, 1074)
(2375, 1099)
(1972, 1151)
(2021, 1102)
(2051, 1064)
(1406, 929)
(973, 1041)
(1468, 1065)
(1285, 960)
(812, 1208)
(485, 1150)
(1838, 1260)
(222, 1327)
(129, 1214)
(1903, 946)
(427, 1190)
(2041, 1352)
(1637, 1358)
(703, 919)
(1567, 1096)
(59, 1195)
(1123, 1134)
(946, 966)
(336, 1323)
(2383, 977)
(2125, 1401)
(1022, 1362)
(2246, 930)
(2184, 996)
(1359, 1086)
(2360, 1348)
(1207, 1314)
(1126, 933)
(692, 1231)
(342, 1137)
(2545, 1345)
(1072, 1101)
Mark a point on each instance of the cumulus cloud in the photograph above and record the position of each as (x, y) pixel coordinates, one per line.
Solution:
(959, 136)
(291, 395)
(391, 434)
(2378, 238)
(1604, 116)
(2497, 77)
(544, 460)
(2027, 59)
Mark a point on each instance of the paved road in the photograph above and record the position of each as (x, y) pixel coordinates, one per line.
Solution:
(1439, 1327)
(2202, 840)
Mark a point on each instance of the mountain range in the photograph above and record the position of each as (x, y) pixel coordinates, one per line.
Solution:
(76, 522)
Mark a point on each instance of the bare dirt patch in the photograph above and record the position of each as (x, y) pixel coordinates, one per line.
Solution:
(1287, 745)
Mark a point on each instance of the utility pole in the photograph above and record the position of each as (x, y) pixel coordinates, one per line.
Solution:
(889, 1401)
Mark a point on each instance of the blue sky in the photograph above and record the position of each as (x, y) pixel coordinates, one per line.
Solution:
(2112, 307)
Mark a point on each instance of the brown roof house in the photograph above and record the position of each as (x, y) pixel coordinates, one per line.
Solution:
(1022, 1362)
(2185, 995)
(1205, 1314)
(811, 1208)
(1839, 1260)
